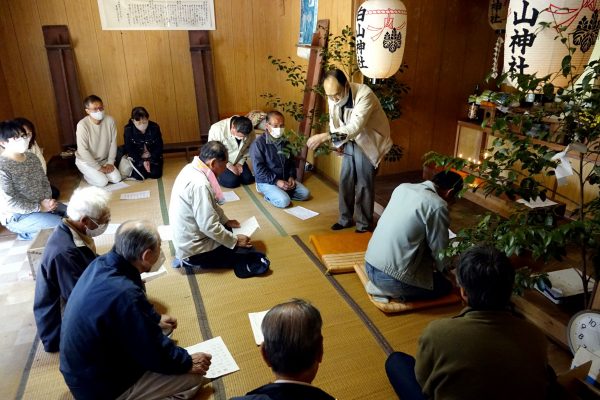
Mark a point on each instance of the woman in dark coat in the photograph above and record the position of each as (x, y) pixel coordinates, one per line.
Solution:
(143, 143)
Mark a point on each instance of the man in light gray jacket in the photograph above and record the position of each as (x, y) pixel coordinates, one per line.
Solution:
(402, 257)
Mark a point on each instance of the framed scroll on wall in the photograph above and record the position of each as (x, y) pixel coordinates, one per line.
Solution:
(157, 14)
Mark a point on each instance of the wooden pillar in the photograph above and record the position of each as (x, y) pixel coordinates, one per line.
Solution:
(63, 71)
(312, 101)
(204, 81)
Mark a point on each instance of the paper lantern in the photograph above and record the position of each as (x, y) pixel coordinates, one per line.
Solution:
(380, 37)
(528, 49)
(497, 12)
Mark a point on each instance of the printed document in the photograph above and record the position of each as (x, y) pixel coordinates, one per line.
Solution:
(221, 363)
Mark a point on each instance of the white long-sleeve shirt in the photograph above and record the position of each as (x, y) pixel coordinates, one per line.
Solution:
(96, 144)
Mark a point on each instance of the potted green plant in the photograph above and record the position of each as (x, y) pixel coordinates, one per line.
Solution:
(519, 164)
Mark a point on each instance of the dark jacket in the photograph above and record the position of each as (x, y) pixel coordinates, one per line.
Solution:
(61, 266)
(135, 141)
(286, 391)
(268, 162)
(110, 334)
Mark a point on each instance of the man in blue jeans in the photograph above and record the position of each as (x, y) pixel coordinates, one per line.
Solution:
(275, 173)
(401, 259)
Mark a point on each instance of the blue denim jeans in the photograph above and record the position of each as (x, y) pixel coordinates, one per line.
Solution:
(281, 198)
(26, 226)
(385, 285)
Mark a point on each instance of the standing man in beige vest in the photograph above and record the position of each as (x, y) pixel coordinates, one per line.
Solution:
(360, 130)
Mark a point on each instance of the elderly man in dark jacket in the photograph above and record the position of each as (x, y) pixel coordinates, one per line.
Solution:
(275, 173)
(68, 252)
(112, 345)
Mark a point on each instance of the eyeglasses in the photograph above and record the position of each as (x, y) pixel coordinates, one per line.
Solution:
(101, 108)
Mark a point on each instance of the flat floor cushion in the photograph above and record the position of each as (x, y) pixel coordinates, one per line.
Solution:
(395, 306)
(340, 251)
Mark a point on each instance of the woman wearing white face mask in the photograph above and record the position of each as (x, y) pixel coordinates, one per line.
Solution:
(143, 143)
(29, 128)
(26, 204)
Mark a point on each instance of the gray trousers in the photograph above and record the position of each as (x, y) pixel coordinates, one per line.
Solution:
(154, 386)
(357, 188)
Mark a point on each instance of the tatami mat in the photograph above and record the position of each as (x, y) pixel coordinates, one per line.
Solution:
(217, 303)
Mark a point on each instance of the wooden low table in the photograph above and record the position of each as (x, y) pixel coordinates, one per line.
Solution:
(36, 249)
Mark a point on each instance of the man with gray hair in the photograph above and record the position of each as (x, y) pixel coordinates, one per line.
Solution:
(68, 252)
(293, 349)
(112, 343)
(202, 233)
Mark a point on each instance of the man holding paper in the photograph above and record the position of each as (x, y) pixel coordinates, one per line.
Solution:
(112, 344)
(202, 233)
(293, 349)
(275, 172)
(360, 130)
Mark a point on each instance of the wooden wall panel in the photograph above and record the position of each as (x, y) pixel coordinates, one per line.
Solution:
(187, 116)
(6, 110)
(117, 97)
(448, 50)
(82, 27)
(163, 90)
(52, 12)
(27, 25)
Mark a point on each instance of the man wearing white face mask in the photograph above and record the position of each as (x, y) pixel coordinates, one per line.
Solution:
(108, 312)
(143, 143)
(68, 252)
(97, 144)
(359, 128)
(274, 172)
(26, 206)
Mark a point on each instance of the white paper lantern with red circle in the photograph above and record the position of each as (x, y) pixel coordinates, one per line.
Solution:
(380, 37)
(529, 49)
(497, 12)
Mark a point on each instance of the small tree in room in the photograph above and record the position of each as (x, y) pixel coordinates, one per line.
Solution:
(339, 53)
(520, 163)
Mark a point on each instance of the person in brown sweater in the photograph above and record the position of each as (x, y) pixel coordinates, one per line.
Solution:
(485, 352)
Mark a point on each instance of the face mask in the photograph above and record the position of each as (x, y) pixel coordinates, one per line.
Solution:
(141, 126)
(343, 100)
(97, 115)
(100, 229)
(276, 132)
(19, 145)
(161, 260)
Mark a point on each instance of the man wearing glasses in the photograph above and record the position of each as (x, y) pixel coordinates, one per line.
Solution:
(97, 144)
(359, 128)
